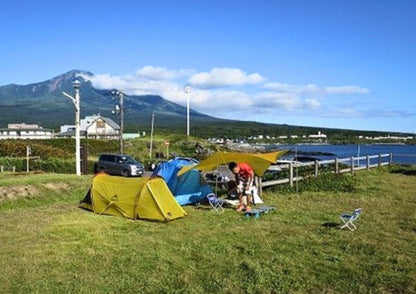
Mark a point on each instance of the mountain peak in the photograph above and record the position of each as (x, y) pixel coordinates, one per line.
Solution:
(67, 78)
(72, 75)
(37, 101)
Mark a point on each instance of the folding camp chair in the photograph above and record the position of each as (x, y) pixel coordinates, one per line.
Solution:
(215, 202)
(349, 219)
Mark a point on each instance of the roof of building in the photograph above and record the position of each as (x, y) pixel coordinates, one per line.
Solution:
(89, 120)
(25, 130)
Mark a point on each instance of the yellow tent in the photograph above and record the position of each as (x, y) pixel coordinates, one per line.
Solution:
(259, 162)
(143, 198)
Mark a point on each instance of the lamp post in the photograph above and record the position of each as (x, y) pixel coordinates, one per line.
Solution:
(151, 136)
(187, 91)
(119, 109)
(76, 84)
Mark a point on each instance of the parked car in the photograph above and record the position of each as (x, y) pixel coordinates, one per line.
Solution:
(119, 164)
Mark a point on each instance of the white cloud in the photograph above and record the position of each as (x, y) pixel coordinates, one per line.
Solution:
(228, 100)
(224, 77)
(161, 73)
(228, 92)
(312, 103)
(314, 89)
(285, 88)
(132, 84)
(274, 100)
(345, 90)
(105, 81)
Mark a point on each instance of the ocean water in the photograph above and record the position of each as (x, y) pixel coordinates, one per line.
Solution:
(401, 153)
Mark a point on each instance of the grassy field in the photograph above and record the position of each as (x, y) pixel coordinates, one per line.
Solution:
(48, 245)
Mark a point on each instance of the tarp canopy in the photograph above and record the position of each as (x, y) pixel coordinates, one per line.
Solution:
(134, 198)
(188, 188)
(259, 162)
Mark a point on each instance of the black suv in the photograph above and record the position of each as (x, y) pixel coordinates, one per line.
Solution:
(119, 164)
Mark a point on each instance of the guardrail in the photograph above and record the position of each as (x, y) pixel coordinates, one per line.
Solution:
(340, 165)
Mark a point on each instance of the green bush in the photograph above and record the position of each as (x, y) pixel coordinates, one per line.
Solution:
(330, 182)
(9, 162)
(17, 148)
(55, 148)
(53, 165)
(327, 182)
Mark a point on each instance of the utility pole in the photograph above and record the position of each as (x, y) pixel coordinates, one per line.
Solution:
(76, 84)
(119, 109)
(151, 136)
(121, 95)
(28, 153)
(188, 126)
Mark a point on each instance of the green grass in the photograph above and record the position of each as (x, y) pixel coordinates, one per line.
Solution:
(48, 245)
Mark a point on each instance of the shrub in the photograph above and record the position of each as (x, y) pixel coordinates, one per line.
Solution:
(328, 182)
(54, 148)
(53, 165)
(9, 162)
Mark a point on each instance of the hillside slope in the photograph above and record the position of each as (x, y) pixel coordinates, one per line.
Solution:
(44, 103)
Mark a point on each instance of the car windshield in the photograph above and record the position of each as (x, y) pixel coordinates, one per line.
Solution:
(128, 160)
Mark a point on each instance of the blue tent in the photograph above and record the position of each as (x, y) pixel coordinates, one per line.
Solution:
(188, 188)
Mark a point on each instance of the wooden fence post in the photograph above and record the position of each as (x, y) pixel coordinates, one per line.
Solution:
(14, 169)
(336, 166)
(352, 164)
(368, 162)
(28, 153)
(379, 160)
(316, 168)
(391, 158)
(261, 186)
(291, 174)
(1, 168)
(257, 182)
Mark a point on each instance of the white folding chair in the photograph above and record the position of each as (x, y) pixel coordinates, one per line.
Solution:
(215, 202)
(349, 219)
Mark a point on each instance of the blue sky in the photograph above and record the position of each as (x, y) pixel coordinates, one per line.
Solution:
(339, 64)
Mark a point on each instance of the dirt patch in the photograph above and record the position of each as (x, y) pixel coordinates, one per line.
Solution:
(57, 186)
(16, 192)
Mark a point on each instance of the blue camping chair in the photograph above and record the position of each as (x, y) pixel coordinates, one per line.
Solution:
(349, 219)
(215, 202)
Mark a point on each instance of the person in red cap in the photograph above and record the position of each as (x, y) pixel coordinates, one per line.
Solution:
(244, 175)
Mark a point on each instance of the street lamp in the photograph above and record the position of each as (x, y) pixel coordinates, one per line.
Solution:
(119, 109)
(187, 91)
(76, 84)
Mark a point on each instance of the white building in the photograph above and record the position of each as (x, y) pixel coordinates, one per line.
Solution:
(318, 136)
(95, 127)
(25, 131)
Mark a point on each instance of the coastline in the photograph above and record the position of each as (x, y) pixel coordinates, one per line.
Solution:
(402, 153)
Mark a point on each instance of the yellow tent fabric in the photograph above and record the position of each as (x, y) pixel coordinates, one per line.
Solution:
(143, 198)
(259, 162)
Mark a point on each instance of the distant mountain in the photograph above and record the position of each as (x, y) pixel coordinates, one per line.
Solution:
(43, 103)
